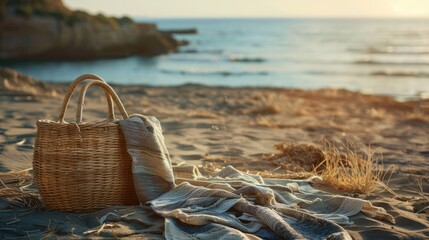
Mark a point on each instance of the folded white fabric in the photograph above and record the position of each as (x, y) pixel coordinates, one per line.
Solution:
(151, 167)
(245, 206)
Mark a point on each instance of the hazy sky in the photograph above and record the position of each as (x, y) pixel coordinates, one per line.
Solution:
(256, 8)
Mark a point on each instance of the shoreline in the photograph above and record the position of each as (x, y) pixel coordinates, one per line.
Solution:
(63, 84)
(165, 83)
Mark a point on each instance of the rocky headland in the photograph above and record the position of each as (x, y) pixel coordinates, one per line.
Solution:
(47, 29)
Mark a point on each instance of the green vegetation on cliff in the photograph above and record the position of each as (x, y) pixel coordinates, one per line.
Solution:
(56, 9)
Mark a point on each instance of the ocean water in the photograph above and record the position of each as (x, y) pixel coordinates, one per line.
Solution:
(385, 57)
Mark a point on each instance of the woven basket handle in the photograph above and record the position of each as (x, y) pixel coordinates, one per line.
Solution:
(72, 88)
(108, 89)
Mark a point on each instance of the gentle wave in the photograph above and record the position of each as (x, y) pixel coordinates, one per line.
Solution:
(374, 62)
(195, 51)
(392, 50)
(375, 73)
(218, 73)
(400, 74)
(246, 59)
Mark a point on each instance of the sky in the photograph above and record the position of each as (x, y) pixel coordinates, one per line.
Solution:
(256, 8)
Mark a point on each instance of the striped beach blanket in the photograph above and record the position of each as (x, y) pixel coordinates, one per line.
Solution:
(231, 204)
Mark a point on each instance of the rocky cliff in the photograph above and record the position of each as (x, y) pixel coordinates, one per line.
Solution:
(46, 29)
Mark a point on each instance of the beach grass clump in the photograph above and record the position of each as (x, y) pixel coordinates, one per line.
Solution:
(267, 105)
(377, 113)
(345, 167)
(295, 107)
(272, 104)
(349, 168)
(297, 157)
(418, 116)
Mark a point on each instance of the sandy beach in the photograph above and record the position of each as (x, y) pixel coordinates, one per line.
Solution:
(215, 127)
(280, 120)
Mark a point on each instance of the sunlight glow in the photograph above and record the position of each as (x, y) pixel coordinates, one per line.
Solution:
(410, 7)
(257, 8)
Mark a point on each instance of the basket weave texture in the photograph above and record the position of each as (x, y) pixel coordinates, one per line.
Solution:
(79, 166)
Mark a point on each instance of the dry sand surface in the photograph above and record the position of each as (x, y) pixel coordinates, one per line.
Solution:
(223, 126)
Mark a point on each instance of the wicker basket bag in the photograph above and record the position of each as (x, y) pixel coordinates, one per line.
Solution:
(83, 166)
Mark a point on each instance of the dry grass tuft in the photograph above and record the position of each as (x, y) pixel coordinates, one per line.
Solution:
(15, 186)
(349, 168)
(346, 167)
(418, 116)
(297, 157)
(422, 204)
(267, 105)
(276, 103)
(421, 190)
(377, 113)
(295, 107)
